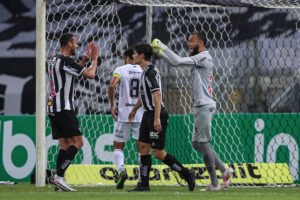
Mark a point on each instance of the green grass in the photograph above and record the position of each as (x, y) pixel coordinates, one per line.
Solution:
(26, 191)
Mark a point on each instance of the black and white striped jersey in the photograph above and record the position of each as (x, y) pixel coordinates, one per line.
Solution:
(61, 72)
(150, 82)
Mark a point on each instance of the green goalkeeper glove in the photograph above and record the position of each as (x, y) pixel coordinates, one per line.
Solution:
(158, 47)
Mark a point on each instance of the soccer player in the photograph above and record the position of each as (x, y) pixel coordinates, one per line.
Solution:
(127, 77)
(204, 105)
(154, 122)
(61, 70)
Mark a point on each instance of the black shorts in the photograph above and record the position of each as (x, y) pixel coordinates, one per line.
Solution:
(147, 132)
(64, 124)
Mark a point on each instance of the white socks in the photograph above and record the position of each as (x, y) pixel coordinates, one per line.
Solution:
(119, 159)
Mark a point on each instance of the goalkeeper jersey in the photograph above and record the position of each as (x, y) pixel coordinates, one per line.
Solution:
(128, 91)
(202, 79)
(201, 66)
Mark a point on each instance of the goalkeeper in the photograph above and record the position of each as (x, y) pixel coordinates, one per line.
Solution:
(204, 105)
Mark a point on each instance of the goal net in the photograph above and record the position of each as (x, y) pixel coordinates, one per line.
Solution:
(255, 49)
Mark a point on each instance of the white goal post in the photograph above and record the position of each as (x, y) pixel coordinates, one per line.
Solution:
(40, 92)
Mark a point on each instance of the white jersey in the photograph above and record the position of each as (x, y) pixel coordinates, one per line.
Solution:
(128, 89)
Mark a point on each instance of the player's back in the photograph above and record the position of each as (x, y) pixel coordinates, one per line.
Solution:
(130, 76)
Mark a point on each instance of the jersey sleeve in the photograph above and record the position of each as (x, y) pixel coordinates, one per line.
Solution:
(202, 60)
(117, 73)
(175, 60)
(152, 77)
(72, 67)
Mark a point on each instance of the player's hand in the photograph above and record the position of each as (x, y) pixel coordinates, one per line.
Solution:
(158, 47)
(87, 55)
(113, 112)
(131, 115)
(157, 125)
(94, 50)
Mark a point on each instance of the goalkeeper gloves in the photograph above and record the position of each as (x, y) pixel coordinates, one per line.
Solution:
(158, 47)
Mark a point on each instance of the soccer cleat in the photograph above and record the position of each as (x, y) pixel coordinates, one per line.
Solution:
(226, 177)
(211, 188)
(123, 177)
(57, 189)
(61, 184)
(140, 189)
(191, 180)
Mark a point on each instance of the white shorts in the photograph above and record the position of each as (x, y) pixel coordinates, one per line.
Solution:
(122, 131)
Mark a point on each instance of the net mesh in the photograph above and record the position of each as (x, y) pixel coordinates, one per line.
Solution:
(255, 50)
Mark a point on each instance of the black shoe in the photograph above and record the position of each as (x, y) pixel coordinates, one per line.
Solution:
(140, 189)
(139, 184)
(191, 180)
(122, 179)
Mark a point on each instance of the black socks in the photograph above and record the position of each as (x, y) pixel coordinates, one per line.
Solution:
(64, 159)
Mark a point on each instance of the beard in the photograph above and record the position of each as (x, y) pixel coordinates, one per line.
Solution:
(73, 52)
(194, 51)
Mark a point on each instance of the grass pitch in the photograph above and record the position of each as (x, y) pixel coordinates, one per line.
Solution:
(26, 191)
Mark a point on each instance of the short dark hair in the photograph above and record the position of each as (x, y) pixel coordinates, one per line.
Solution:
(128, 53)
(200, 36)
(145, 49)
(65, 38)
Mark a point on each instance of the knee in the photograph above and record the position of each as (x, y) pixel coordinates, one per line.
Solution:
(78, 142)
(195, 145)
(159, 154)
(119, 145)
(144, 149)
(201, 147)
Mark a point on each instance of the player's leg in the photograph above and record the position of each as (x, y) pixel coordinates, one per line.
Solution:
(226, 172)
(119, 156)
(135, 130)
(120, 136)
(158, 145)
(71, 141)
(57, 135)
(144, 146)
(71, 130)
(145, 168)
(202, 136)
(119, 161)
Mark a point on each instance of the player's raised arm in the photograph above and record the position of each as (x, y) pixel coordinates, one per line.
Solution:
(171, 57)
(90, 72)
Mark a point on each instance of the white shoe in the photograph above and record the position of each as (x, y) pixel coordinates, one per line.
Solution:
(61, 184)
(210, 187)
(226, 177)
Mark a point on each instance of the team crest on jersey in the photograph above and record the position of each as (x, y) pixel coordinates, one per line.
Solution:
(203, 59)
